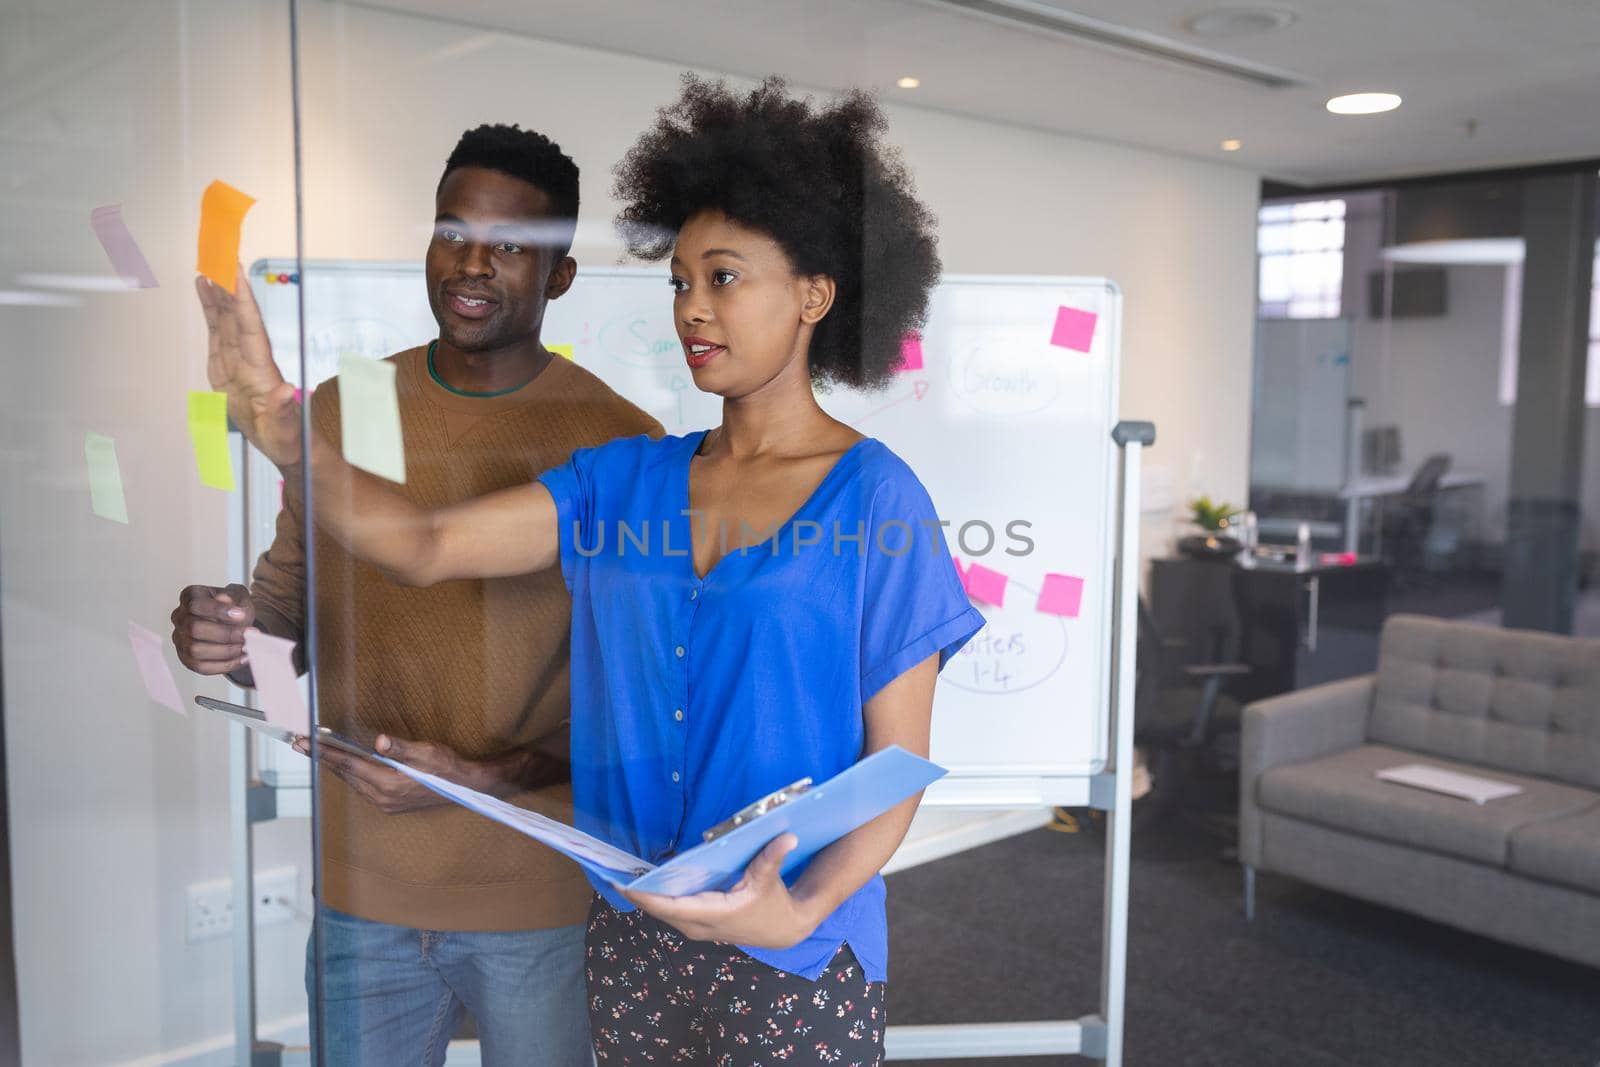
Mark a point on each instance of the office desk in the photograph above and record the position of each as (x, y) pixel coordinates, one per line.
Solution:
(1294, 628)
(1374, 487)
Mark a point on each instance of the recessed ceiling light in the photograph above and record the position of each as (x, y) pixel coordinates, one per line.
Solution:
(1363, 103)
(1232, 144)
(909, 82)
(1238, 21)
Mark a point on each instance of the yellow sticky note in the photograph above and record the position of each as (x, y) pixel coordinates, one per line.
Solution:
(222, 211)
(564, 351)
(208, 431)
(105, 478)
(369, 417)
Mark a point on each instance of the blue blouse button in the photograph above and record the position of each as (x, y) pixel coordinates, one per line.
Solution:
(678, 651)
(674, 776)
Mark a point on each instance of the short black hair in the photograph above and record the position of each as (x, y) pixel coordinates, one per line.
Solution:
(819, 181)
(527, 155)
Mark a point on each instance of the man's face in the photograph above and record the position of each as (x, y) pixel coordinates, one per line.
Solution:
(490, 266)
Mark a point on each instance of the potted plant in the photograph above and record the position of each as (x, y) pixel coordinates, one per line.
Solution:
(1215, 538)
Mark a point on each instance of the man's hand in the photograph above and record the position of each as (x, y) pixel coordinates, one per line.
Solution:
(393, 793)
(239, 362)
(760, 911)
(208, 627)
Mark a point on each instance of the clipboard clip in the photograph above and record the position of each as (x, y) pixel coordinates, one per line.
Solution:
(772, 800)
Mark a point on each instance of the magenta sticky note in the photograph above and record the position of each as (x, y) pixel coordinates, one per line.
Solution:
(149, 652)
(1074, 329)
(986, 585)
(121, 248)
(272, 664)
(910, 352)
(1062, 595)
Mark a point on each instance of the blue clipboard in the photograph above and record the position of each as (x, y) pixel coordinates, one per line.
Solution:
(818, 816)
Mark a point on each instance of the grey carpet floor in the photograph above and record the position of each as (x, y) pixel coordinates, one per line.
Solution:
(1011, 931)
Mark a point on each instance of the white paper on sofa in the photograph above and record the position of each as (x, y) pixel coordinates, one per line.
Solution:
(1451, 783)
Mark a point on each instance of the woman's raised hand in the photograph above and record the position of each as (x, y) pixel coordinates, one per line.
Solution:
(239, 362)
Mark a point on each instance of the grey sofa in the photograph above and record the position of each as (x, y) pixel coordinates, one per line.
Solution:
(1513, 705)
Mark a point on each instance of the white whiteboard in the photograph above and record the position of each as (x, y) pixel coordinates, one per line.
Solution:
(1000, 425)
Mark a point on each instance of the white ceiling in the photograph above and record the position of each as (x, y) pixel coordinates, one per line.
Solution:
(1524, 73)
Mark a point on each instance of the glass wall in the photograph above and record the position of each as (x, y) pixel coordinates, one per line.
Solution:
(1387, 419)
(419, 295)
(123, 494)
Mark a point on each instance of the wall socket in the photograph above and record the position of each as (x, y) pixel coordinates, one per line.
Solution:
(209, 914)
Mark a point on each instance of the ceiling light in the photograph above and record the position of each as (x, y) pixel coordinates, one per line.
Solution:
(1238, 21)
(1363, 103)
(1232, 144)
(909, 82)
(1458, 251)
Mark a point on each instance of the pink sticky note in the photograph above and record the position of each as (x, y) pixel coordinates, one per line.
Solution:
(272, 664)
(1074, 329)
(986, 585)
(1062, 595)
(910, 352)
(961, 571)
(149, 653)
(121, 248)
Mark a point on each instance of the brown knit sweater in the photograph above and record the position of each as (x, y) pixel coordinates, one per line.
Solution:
(480, 666)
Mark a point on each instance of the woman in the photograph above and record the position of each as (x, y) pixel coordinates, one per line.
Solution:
(802, 617)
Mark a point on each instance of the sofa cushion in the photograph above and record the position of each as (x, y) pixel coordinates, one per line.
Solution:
(1565, 851)
(1342, 791)
(1511, 700)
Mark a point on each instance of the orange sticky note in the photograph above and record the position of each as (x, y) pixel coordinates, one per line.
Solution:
(222, 211)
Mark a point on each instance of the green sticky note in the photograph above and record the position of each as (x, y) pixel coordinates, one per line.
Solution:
(105, 478)
(369, 415)
(208, 430)
(564, 351)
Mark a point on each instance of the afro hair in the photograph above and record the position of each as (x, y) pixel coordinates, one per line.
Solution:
(816, 179)
(527, 155)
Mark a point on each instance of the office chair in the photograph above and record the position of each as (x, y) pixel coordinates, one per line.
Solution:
(1409, 518)
(1179, 709)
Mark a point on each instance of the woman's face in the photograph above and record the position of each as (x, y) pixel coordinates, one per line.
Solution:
(744, 316)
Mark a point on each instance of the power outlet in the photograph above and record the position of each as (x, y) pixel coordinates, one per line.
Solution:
(210, 904)
(277, 896)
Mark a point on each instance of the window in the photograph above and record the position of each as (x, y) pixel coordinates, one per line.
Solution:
(1510, 336)
(1591, 388)
(1301, 247)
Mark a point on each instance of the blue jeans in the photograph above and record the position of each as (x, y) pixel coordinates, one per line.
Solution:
(394, 995)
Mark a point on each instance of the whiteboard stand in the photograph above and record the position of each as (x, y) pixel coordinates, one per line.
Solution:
(1099, 1035)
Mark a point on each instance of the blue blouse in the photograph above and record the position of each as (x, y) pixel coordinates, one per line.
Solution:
(693, 697)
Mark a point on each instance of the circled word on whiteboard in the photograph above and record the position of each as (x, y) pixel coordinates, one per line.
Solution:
(1004, 379)
(1018, 649)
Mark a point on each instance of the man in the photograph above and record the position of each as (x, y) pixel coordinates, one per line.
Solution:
(426, 908)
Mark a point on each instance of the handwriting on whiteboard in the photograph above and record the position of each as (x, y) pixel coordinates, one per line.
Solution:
(1002, 377)
(1018, 649)
(640, 341)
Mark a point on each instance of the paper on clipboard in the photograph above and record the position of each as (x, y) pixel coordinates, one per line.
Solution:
(817, 817)
(586, 849)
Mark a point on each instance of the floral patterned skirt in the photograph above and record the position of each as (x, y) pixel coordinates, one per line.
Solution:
(658, 997)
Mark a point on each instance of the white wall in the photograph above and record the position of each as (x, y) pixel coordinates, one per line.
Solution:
(116, 805)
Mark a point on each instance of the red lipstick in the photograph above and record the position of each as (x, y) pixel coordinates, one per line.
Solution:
(698, 351)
